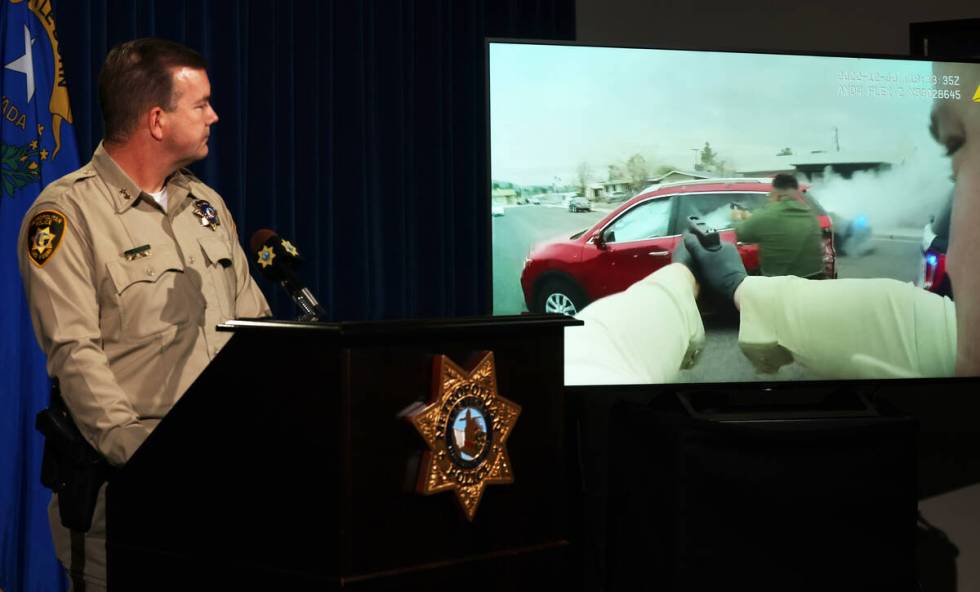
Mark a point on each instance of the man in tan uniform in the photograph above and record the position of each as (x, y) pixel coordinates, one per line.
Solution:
(129, 263)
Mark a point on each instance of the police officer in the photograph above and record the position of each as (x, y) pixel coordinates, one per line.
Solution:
(787, 232)
(129, 263)
(956, 126)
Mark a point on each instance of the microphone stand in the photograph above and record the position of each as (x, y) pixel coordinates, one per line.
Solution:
(310, 309)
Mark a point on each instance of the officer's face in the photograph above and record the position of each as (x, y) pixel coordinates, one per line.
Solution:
(956, 125)
(188, 125)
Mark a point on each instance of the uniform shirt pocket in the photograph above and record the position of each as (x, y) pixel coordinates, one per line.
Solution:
(221, 272)
(152, 293)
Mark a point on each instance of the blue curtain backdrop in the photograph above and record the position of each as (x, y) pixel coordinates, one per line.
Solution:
(355, 128)
(37, 145)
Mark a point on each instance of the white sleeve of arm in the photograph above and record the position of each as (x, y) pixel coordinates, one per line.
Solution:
(642, 335)
(847, 328)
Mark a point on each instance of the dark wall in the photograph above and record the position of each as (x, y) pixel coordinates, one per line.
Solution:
(872, 26)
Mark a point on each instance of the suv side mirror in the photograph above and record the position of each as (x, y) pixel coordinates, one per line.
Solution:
(601, 239)
(598, 241)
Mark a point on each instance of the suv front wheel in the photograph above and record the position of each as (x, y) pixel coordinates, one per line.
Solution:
(560, 296)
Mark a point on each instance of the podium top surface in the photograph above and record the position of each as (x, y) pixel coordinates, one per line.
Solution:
(407, 327)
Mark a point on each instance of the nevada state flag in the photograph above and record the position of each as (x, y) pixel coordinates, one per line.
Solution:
(37, 146)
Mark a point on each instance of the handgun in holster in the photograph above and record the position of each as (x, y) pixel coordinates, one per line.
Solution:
(71, 467)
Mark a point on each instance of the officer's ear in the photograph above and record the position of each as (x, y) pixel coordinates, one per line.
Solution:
(155, 122)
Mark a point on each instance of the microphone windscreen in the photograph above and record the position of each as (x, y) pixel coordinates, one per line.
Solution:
(259, 238)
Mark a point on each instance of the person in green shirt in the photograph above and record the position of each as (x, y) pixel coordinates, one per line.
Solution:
(786, 230)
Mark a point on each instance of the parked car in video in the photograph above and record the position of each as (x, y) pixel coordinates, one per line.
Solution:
(935, 241)
(579, 204)
(637, 238)
(497, 210)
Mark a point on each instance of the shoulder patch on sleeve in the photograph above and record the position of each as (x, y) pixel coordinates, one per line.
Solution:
(44, 234)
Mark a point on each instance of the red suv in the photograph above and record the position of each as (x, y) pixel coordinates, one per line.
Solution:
(637, 238)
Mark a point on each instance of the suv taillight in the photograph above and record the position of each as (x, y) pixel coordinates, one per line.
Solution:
(931, 265)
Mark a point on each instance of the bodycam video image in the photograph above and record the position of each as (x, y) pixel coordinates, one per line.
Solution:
(814, 167)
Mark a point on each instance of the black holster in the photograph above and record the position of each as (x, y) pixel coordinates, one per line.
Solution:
(71, 467)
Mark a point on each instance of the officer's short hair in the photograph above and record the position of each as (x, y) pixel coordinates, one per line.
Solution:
(782, 182)
(137, 76)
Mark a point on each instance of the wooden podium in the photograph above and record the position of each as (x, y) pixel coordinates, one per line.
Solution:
(289, 464)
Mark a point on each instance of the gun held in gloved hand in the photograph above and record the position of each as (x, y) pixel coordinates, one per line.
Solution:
(707, 236)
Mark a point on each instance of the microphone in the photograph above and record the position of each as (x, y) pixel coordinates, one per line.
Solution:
(277, 259)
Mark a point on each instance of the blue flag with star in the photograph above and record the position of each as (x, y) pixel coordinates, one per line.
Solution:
(37, 146)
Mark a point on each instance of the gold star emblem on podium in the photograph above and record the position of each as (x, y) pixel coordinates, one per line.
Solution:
(466, 425)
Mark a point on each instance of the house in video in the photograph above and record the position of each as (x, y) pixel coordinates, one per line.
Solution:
(814, 166)
(676, 176)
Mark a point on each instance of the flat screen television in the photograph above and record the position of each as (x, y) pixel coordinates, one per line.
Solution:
(581, 136)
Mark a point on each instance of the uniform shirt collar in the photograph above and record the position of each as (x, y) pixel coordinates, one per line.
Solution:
(124, 191)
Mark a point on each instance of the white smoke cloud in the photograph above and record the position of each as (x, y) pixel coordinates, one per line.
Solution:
(903, 197)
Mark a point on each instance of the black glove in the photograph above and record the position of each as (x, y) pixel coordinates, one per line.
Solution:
(721, 270)
(680, 254)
